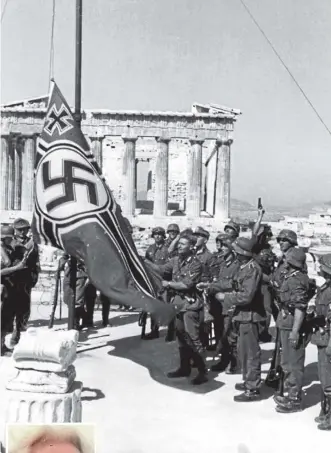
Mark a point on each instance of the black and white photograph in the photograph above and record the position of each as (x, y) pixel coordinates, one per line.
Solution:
(165, 210)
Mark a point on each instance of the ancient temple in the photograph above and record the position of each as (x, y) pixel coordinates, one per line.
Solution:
(154, 162)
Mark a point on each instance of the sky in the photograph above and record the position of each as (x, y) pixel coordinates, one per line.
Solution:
(168, 54)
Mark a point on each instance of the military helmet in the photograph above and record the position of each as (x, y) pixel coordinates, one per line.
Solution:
(224, 239)
(244, 246)
(199, 231)
(158, 230)
(288, 235)
(325, 263)
(7, 231)
(296, 257)
(234, 228)
(20, 224)
(187, 231)
(173, 227)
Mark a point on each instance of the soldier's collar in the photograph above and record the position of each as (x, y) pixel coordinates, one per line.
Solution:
(229, 259)
(187, 259)
(290, 274)
(201, 250)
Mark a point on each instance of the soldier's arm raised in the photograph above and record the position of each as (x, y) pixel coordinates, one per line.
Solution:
(173, 244)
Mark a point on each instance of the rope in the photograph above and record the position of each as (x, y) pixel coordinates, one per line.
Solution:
(4, 9)
(285, 66)
(51, 52)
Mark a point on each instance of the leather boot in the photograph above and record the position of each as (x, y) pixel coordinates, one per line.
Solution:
(290, 406)
(154, 333)
(324, 409)
(248, 396)
(202, 375)
(222, 364)
(170, 333)
(184, 369)
(326, 424)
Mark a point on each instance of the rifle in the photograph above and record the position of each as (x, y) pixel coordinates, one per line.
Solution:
(56, 293)
(275, 376)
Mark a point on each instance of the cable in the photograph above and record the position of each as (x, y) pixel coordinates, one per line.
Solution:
(285, 66)
(4, 9)
(51, 52)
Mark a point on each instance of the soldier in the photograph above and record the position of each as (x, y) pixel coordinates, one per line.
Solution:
(8, 270)
(232, 229)
(248, 311)
(205, 256)
(171, 242)
(225, 333)
(68, 294)
(287, 239)
(156, 253)
(322, 339)
(24, 249)
(185, 271)
(293, 301)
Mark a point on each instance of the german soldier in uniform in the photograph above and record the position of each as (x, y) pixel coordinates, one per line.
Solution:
(24, 250)
(225, 333)
(232, 229)
(8, 270)
(171, 242)
(322, 339)
(287, 239)
(185, 271)
(293, 301)
(247, 303)
(156, 253)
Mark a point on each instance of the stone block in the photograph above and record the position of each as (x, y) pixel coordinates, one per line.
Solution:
(46, 350)
(42, 381)
(28, 407)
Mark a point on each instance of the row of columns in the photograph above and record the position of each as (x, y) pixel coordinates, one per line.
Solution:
(16, 168)
(194, 178)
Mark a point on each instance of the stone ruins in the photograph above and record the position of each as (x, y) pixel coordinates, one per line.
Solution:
(161, 161)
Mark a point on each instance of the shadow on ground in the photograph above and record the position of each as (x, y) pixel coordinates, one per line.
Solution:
(97, 394)
(123, 319)
(159, 357)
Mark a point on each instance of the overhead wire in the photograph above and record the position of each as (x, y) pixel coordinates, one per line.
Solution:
(4, 9)
(285, 66)
(51, 52)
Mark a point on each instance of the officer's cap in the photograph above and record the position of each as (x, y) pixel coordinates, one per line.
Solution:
(7, 231)
(173, 227)
(186, 232)
(189, 237)
(244, 246)
(325, 263)
(158, 230)
(234, 227)
(288, 235)
(21, 223)
(199, 231)
(296, 257)
(224, 239)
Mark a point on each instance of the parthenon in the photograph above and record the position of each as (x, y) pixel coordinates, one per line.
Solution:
(172, 160)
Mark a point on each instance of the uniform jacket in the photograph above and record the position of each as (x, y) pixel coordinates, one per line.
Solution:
(293, 294)
(228, 269)
(6, 261)
(215, 263)
(157, 254)
(21, 249)
(206, 258)
(188, 271)
(323, 308)
(247, 297)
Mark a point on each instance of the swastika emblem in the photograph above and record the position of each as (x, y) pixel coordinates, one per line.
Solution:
(58, 119)
(68, 180)
(68, 186)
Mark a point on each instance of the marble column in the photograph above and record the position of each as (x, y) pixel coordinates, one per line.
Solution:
(11, 172)
(194, 176)
(28, 160)
(96, 148)
(4, 166)
(129, 196)
(161, 177)
(18, 147)
(222, 195)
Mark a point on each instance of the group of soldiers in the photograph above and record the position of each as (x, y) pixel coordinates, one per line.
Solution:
(19, 274)
(238, 290)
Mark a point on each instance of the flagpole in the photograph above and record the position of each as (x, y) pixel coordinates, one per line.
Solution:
(78, 118)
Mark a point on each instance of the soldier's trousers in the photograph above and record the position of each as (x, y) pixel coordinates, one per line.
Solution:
(250, 354)
(105, 304)
(324, 368)
(68, 291)
(90, 296)
(188, 335)
(21, 296)
(293, 364)
(216, 312)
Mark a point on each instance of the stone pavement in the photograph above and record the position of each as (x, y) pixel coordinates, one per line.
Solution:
(138, 410)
